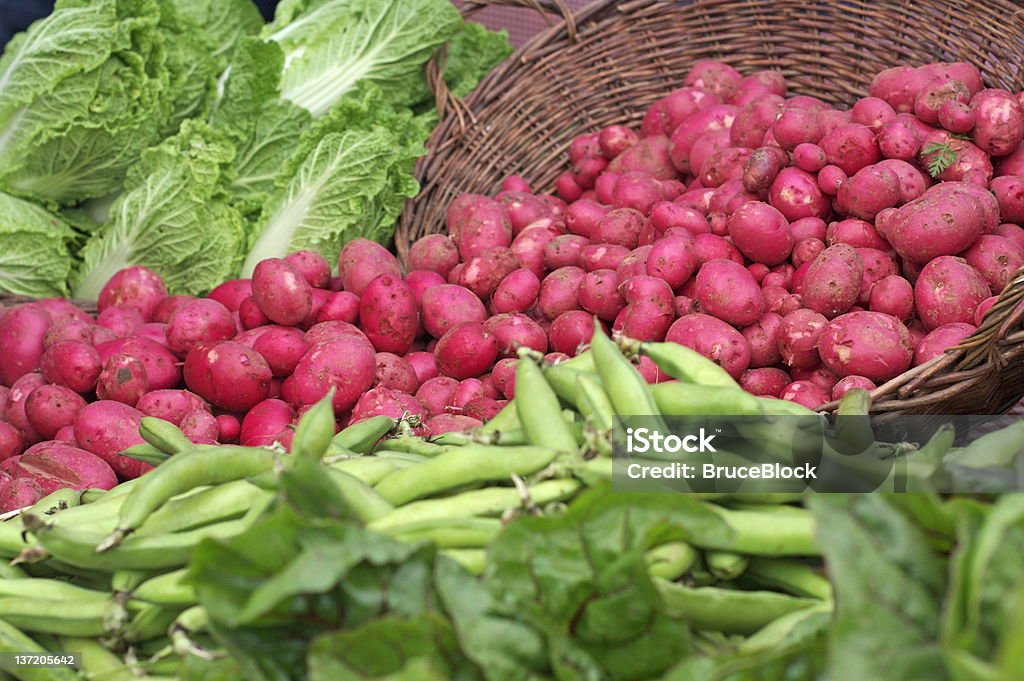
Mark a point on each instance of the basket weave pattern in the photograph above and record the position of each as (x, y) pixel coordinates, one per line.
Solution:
(608, 62)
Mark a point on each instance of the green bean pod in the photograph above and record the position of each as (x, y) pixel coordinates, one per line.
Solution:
(594, 403)
(204, 506)
(146, 453)
(369, 469)
(450, 533)
(152, 621)
(729, 611)
(164, 435)
(685, 364)
(98, 663)
(539, 410)
(364, 501)
(12, 543)
(181, 474)
(60, 500)
(50, 590)
(766, 533)
(167, 589)
(481, 502)
(627, 390)
(562, 380)
(63, 618)
(671, 560)
(410, 444)
(853, 430)
(13, 640)
(472, 464)
(506, 419)
(126, 581)
(8, 571)
(362, 437)
(998, 448)
(791, 576)
(400, 455)
(315, 429)
(689, 399)
(726, 565)
(474, 560)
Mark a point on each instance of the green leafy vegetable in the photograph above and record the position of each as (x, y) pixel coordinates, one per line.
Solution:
(174, 217)
(472, 53)
(332, 45)
(943, 157)
(35, 259)
(222, 23)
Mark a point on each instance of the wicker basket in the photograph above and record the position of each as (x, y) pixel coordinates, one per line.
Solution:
(611, 60)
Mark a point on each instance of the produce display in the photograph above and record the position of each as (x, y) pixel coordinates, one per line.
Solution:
(275, 452)
(503, 553)
(193, 139)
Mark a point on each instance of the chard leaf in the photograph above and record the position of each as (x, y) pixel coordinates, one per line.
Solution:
(35, 259)
(332, 45)
(472, 53)
(884, 572)
(173, 217)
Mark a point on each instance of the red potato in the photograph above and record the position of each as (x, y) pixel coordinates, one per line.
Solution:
(869, 191)
(986, 305)
(319, 297)
(724, 165)
(599, 294)
(468, 390)
(683, 102)
(604, 186)
(72, 364)
(229, 375)
(200, 427)
(851, 147)
(18, 493)
(436, 394)
(559, 292)
(912, 181)
(714, 339)
(759, 271)
(644, 321)
(615, 139)
(935, 94)
(582, 216)
(481, 409)
(314, 267)
(830, 179)
(820, 376)
(762, 81)
(715, 77)
(945, 220)
(1011, 164)
(1009, 193)
(1011, 232)
(916, 331)
(123, 379)
(796, 195)
(446, 306)
(796, 126)
(202, 320)
(709, 247)
(477, 223)
(228, 428)
(620, 227)
(231, 293)
(833, 281)
(49, 408)
(765, 381)
(941, 339)
(162, 367)
(726, 199)
(385, 402)
(122, 320)
(602, 257)
(395, 373)
(806, 251)
(434, 252)
(451, 423)
(282, 347)
(281, 292)
(763, 339)
(900, 139)
(948, 290)
(563, 251)
(340, 306)
(154, 331)
(672, 259)
(892, 295)
(877, 265)
(685, 305)
(571, 331)
(516, 292)
(423, 364)
(388, 314)
(331, 331)
(361, 261)
(809, 157)
(503, 375)
(529, 249)
(763, 165)
(57, 465)
(717, 117)
(523, 209)
(170, 405)
(998, 122)
(638, 191)
(728, 291)
(798, 337)
(971, 164)
(872, 112)
(899, 86)
(707, 145)
(760, 231)
(848, 383)
(137, 287)
(651, 156)
(808, 228)
(856, 233)
(12, 442)
(966, 73)
(667, 214)
(467, 350)
(249, 314)
(347, 364)
(106, 428)
(584, 146)
(512, 331)
(62, 310)
(806, 393)
(752, 121)
(869, 344)
(5, 398)
(71, 330)
(22, 330)
(956, 117)
(264, 421)
(996, 258)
